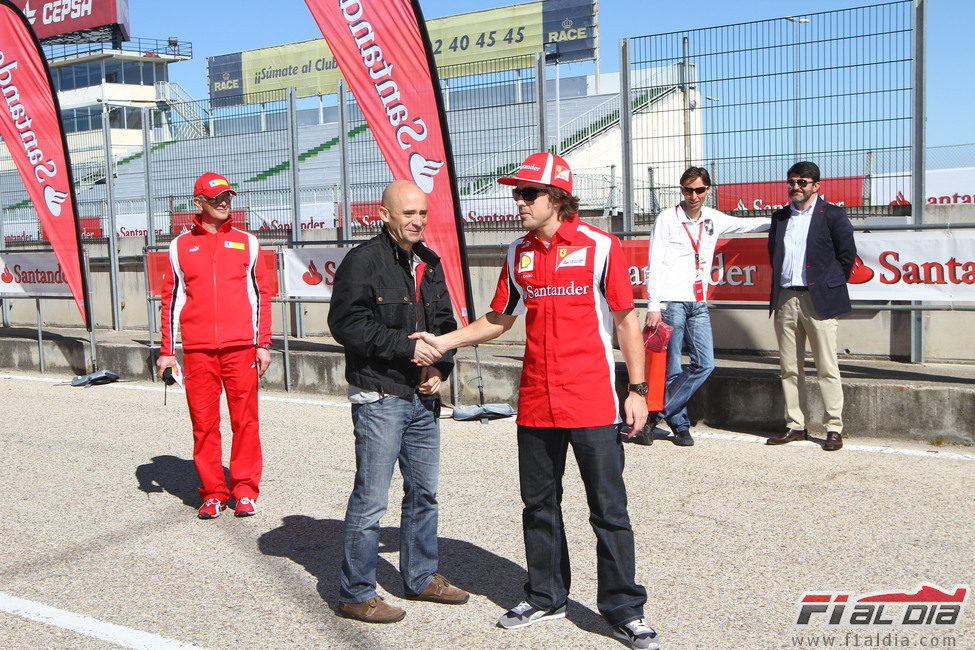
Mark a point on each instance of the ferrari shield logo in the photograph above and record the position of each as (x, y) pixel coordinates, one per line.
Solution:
(570, 256)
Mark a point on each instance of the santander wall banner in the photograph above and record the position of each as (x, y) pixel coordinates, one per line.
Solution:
(927, 265)
(310, 272)
(764, 195)
(32, 274)
(30, 125)
(381, 49)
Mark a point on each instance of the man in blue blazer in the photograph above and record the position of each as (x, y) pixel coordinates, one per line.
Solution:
(811, 249)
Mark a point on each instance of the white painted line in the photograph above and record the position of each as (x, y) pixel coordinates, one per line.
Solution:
(159, 389)
(899, 451)
(117, 634)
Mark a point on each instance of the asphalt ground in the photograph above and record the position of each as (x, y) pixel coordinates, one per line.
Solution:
(101, 546)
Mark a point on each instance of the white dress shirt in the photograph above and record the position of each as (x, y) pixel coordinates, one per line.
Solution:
(794, 246)
(671, 270)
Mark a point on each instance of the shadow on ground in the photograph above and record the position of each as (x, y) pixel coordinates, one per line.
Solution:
(171, 474)
(316, 545)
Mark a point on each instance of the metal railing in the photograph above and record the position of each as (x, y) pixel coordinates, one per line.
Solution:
(144, 46)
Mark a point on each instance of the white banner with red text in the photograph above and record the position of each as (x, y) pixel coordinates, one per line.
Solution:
(32, 274)
(926, 265)
(310, 272)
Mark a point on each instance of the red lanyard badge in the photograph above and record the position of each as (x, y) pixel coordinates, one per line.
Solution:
(696, 245)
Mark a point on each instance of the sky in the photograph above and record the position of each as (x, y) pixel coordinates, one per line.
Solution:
(225, 26)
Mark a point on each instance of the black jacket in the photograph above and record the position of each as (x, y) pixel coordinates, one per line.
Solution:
(374, 310)
(830, 251)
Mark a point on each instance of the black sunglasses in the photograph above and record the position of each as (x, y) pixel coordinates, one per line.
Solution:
(694, 190)
(528, 194)
(218, 199)
(801, 182)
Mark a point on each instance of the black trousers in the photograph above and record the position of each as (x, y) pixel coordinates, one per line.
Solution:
(541, 466)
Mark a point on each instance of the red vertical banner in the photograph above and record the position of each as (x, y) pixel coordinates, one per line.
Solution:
(383, 51)
(30, 125)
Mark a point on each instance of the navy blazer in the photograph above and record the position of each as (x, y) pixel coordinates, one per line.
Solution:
(830, 251)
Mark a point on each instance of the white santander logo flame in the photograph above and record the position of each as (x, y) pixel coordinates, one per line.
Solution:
(54, 199)
(423, 171)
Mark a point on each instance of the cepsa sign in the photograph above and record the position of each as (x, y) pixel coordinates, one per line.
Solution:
(50, 18)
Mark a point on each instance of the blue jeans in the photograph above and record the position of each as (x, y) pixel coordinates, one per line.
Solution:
(692, 329)
(541, 465)
(388, 430)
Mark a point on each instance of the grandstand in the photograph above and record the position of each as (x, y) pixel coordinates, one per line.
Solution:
(251, 147)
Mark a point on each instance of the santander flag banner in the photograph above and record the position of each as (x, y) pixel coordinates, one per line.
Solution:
(383, 51)
(30, 126)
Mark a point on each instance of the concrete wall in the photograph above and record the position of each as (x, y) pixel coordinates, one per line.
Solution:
(882, 334)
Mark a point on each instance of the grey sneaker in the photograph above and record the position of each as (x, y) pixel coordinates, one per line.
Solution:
(637, 634)
(524, 614)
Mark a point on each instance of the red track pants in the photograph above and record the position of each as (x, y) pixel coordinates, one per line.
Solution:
(205, 372)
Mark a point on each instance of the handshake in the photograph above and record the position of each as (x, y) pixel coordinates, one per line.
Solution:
(429, 348)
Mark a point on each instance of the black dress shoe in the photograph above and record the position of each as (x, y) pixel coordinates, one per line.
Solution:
(682, 438)
(833, 442)
(791, 435)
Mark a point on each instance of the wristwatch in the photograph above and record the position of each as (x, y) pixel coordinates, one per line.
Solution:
(266, 346)
(640, 389)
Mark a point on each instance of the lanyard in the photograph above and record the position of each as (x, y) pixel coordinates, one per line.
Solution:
(696, 245)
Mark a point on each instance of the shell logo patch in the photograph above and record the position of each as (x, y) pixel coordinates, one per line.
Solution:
(526, 262)
(571, 256)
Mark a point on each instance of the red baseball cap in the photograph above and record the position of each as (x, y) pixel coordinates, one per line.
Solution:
(545, 168)
(212, 185)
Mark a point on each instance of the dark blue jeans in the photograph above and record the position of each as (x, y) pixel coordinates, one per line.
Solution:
(541, 465)
(386, 431)
(692, 329)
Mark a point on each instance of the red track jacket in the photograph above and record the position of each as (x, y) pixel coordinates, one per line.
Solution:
(217, 295)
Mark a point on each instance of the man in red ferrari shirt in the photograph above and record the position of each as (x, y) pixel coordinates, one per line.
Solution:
(217, 296)
(572, 282)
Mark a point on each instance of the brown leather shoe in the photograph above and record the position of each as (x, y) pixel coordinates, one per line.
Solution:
(833, 441)
(374, 610)
(441, 591)
(791, 435)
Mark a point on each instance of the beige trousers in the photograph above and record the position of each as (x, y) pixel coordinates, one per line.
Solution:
(795, 321)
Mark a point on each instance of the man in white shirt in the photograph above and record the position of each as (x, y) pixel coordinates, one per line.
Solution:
(678, 276)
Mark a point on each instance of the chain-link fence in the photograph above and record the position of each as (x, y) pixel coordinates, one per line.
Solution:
(748, 100)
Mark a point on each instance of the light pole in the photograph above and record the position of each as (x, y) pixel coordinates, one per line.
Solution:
(795, 20)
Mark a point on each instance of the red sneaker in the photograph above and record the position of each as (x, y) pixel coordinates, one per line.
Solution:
(245, 507)
(211, 509)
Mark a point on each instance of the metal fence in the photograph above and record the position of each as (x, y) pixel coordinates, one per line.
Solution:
(750, 99)
(745, 100)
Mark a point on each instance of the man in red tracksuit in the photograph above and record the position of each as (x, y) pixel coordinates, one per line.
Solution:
(219, 298)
